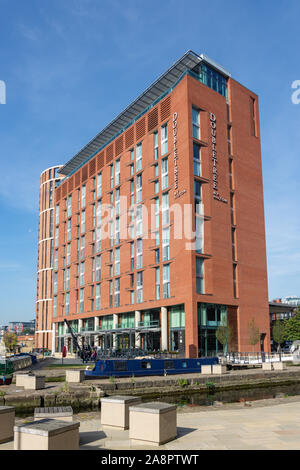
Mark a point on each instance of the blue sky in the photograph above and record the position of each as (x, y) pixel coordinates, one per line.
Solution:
(71, 66)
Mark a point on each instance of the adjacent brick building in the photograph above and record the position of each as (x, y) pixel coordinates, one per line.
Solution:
(185, 154)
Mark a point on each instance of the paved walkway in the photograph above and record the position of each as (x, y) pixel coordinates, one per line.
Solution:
(262, 425)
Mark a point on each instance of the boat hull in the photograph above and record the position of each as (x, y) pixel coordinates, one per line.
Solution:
(147, 367)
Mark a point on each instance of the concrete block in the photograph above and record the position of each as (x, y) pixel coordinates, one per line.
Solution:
(279, 365)
(64, 413)
(34, 382)
(153, 423)
(47, 434)
(219, 369)
(75, 375)
(115, 410)
(206, 369)
(267, 366)
(20, 378)
(7, 421)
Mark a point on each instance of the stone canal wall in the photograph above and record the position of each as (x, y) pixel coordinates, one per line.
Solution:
(87, 395)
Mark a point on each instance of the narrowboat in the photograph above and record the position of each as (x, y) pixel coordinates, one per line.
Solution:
(144, 367)
(6, 371)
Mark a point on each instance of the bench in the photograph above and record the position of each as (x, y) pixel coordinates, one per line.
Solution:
(65, 413)
(152, 423)
(7, 421)
(47, 434)
(115, 410)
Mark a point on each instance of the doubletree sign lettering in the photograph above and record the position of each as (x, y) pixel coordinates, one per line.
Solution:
(215, 176)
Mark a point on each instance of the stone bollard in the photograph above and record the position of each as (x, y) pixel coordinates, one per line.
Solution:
(75, 375)
(115, 410)
(7, 421)
(219, 369)
(267, 366)
(206, 369)
(279, 365)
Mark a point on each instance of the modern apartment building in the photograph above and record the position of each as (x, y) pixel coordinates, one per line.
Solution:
(44, 296)
(158, 223)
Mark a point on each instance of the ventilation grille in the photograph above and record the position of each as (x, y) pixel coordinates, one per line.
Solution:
(153, 119)
(165, 108)
(129, 137)
(58, 194)
(109, 153)
(140, 129)
(84, 173)
(70, 184)
(119, 145)
(100, 161)
(64, 189)
(92, 167)
(77, 178)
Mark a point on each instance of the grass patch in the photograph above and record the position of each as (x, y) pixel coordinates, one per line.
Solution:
(66, 366)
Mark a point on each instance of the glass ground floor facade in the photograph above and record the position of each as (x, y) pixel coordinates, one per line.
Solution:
(150, 330)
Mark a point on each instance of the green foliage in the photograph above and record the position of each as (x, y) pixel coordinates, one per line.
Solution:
(10, 341)
(292, 327)
(253, 333)
(224, 334)
(183, 382)
(112, 379)
(210, 385)
(279, 332)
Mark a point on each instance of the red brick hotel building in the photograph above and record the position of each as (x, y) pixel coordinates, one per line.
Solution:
(158, 224)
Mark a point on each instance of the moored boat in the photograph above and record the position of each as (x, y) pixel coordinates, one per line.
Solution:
(6, 371)
(144, 367)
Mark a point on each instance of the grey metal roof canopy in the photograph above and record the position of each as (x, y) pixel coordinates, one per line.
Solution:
(187, 62)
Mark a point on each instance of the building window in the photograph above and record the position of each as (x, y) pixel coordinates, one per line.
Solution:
(82, 242)
(98, 239)
(139, 253)
(55, 283)
(82, 222)
(117, 292)
(81, 300)
(155, 145)
(132, 256)
(139, 188)
(157, 256)
(69, 230)
(110, 293)
(235, 290)
(139, 220)
(132, 155)
(83, 194)
(199, 275)
(199, 238)
(98, 297)
(67, 278)
(54, 307)
(117, 201)
(198, 197)
(98, 268)
(164, 139)
(69, 206)
(165, 209)
(139, 287)
(67, 302)
(166, 281)
(117, 261)
(99, 185)
(117, 172)
(196, 123)
(156, 187)
(156, 206)
(166, 244)
(57, 214)
(82, 274)
(164, 173)
(197, 159)
(56, 260)
(139, 157)
(157, 283)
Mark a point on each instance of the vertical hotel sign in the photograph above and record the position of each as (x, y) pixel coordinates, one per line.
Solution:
(177, 193)
(215, 175)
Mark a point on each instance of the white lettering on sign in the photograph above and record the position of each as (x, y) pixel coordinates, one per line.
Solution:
(215, 180)
(177, 193)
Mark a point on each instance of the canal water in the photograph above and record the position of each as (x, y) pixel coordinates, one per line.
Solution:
(211, 398)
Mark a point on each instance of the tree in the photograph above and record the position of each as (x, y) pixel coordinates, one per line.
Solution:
(10, 341)
(253, 334)
(224, 335)
(279, 333)
(292, 327)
